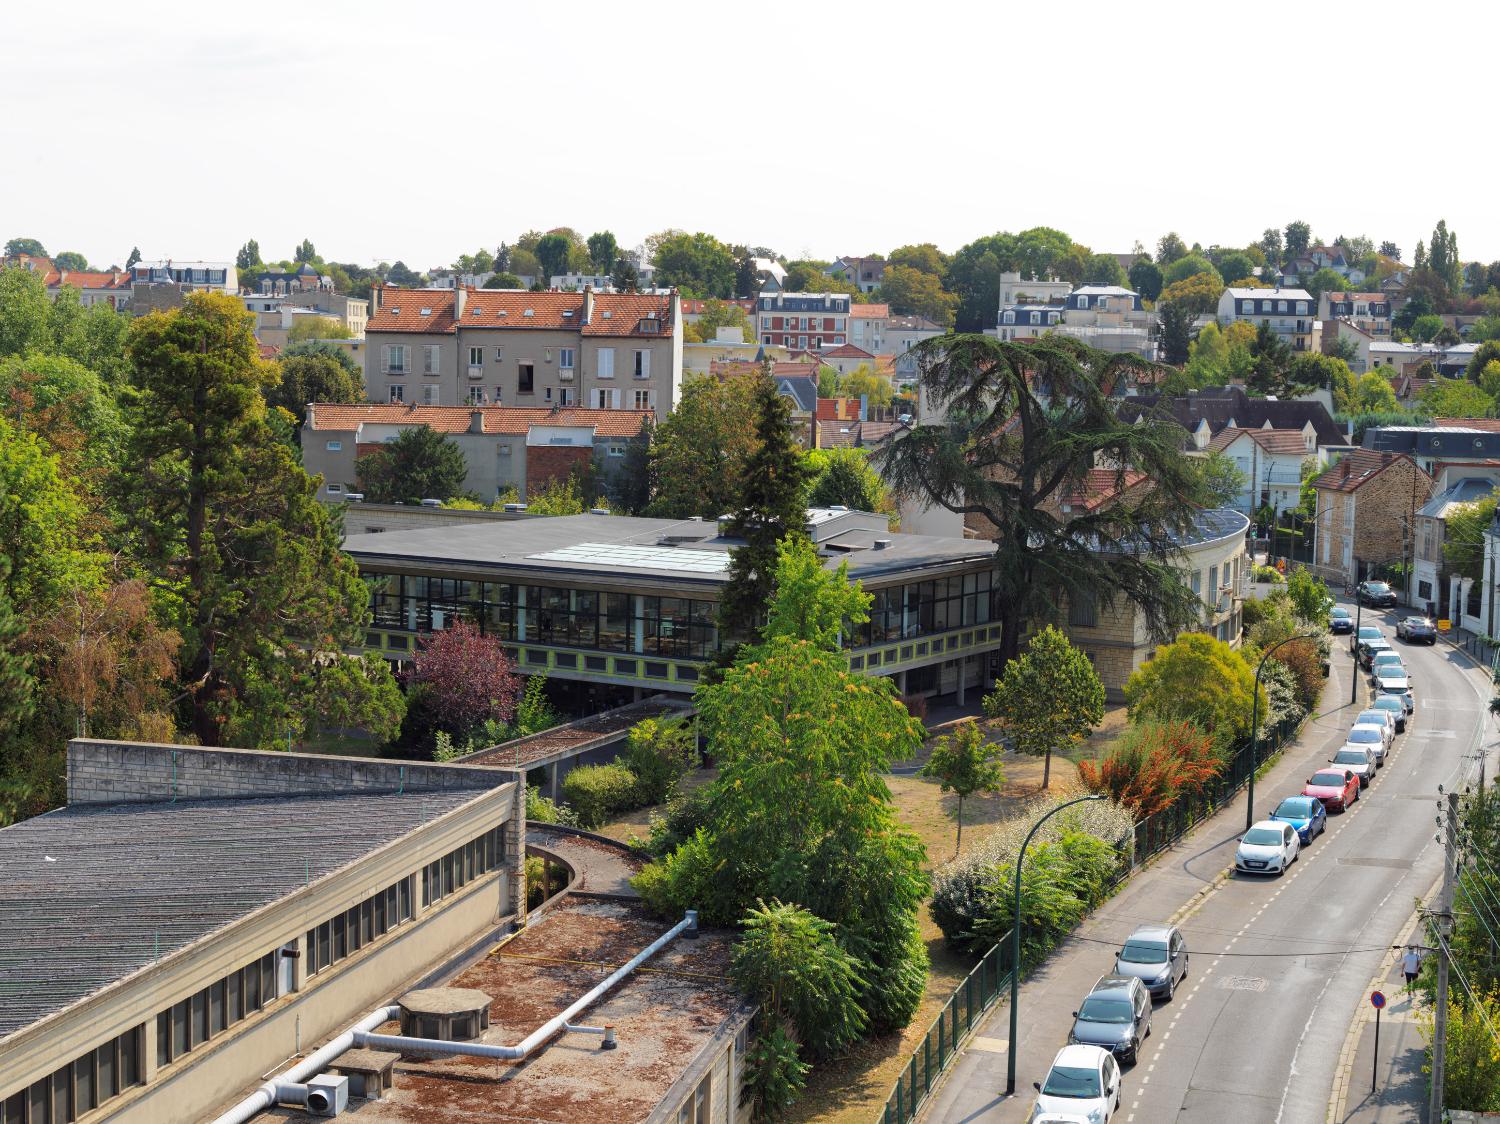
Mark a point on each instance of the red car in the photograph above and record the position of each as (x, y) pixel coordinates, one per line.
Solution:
(1336, 788)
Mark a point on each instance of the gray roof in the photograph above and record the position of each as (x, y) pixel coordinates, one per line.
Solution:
(92, 893)
(1469, 489)
(669, 549)
(801, 389)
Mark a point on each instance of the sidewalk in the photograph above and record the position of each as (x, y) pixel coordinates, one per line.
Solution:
(1400, 1088)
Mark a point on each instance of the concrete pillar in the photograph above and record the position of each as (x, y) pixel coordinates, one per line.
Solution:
(958, 694)
(148, 1052)
(553, 782)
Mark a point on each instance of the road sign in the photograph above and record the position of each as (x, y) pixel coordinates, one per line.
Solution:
(1444, 626)
(1377, 999)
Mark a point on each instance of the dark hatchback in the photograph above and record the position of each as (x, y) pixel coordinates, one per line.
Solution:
(1376, 594)
(1340, 620)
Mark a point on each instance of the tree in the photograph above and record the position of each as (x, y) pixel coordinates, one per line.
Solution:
(135, 256)
(42, 526)
(1443, 258)
(1146, 279)
(552, 253)
(248, 257)
(25, 313)
(1104, 269)
(1456, 398)
(1485, 354)
(1176, 331)
(1199, 679)
(1389, 249)
(625, 277)
(504, 281)
(305, 253)
(1198, 294)
(1463, 537)
(771, 505)
(1270, 245)
(1169, 248)
(1373, 395)
(1235, 266)
(1006, 455)
(698, 264)
(29, 246)
(1273, 360)
(1190, 265)
(924, 257)
(71, 260)
(1220, 481)
(1425, 327)
(1152, 764)
(660, 753)
(635, 483)
(1326, 281)
(401, 274)
(912, 292)
(466, 677)
(315, 377)
(1309, 596)
(863, 382)
(701, 449)
(223, 516)
(318, 328)
(1298, 239)
(844, 477)
(420, 463)
(602, 251)
(718, 314)
(965, 762)
(1047, 698)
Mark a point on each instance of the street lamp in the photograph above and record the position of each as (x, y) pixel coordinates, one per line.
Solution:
(1015, 943)
(1255, 717)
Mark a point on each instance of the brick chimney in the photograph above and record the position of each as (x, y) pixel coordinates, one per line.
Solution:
(375, 291)
(1345, 464)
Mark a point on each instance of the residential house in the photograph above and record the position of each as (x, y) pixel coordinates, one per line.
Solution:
(846, 358)
(1369, 312)
(866, 273)
(849, 423)
(352, 312)
(1322, 257)
(1289, 313)
(109, 287)
(305, 278)
(189, 276)
(504, 447)
(1014, 290)
(902, 333)
(1366, 511)
(1111, 318)
(769, 274)
(1204, 414)
(608, 351)
(1440, 591)
(867, 327)
(804, 321)
(1028, 321)
(598, 281)
(1271, 461)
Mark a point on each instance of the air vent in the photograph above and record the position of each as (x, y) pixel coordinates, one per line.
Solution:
(882, 544)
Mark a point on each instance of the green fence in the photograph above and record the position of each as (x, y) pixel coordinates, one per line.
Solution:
(962, 1013)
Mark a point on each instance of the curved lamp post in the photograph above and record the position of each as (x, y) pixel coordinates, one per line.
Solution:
(1015, 943)
(1255, 717)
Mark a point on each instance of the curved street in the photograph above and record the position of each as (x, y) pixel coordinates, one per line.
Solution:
(1279, 967)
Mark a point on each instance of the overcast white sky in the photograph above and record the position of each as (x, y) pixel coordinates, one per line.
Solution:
(421, 130)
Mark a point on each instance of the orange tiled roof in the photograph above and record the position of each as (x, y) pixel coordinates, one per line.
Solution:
(783, 369)
(457, 419)
(869, 311)
(615, 314)
(1285, 442)
(401, 311)
(1357, 468)
(89, 279)
(626, 311)
(1102, 485)
(1488, 425)
(837, 409)
(847, 351)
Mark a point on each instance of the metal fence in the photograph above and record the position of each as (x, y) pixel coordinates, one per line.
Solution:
(991, 976)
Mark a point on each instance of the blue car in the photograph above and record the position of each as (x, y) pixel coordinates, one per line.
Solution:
(1305, 813)
(1340, 619)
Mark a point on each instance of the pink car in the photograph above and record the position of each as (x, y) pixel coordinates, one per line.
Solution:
(1336, 788)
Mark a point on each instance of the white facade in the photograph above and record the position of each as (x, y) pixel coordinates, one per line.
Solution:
(1290, 313)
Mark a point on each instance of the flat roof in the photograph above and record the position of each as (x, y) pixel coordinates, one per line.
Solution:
(619, 547)
(92, 893)
(663, 1014)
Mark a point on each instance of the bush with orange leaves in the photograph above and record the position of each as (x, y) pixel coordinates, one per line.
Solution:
(1152, 764)
(1306, 664)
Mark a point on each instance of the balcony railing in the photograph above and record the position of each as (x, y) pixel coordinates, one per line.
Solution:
(475, 371)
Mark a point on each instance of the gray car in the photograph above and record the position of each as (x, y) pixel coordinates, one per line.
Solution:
(1116, 1015)
(1156, 955)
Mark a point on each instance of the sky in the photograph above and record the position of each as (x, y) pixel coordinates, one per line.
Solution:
(419, 131)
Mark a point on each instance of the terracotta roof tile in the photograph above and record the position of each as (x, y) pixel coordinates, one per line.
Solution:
(401, 311)
(90, 279)
(1282, 442)
(1355, 469)
(1488, 425)
(626, 311)
(615, 314)
(847, 351)
(456, 419)
(869, 311)
(1102, 485)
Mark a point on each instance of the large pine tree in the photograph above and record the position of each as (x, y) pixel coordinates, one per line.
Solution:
(772, 505)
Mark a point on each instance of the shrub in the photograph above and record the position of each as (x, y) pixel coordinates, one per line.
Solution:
(543, 810)
(774, 1074)
(1252, 611)
(1153, 763)
(1197, 678)
(1282, 707)
(686, 812)
(1266, 574)
(659, 753)
(1305, 662)
(596, 792)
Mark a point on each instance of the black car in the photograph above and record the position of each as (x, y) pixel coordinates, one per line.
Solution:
(1378, 595)
(1340, 619)
(1417, 630)
(1116, 1016)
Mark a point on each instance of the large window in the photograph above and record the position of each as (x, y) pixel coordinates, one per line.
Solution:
(185, 1026)
(459, 867)
(922, 608)
(84, 1084)
(346, 933)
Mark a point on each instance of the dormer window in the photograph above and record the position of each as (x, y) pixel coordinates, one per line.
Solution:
(649, 326)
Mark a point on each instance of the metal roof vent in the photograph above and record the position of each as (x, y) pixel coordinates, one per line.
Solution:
(453, 1014)
(427, 312)
(881, 544)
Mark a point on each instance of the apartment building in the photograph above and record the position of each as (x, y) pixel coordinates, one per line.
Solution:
(189, 276)
(804, 321)
(1109, 317)
(1367, 505)
(1290, 313)
(1369, 312)
(493, 347)
(867, 327)
(866, 273)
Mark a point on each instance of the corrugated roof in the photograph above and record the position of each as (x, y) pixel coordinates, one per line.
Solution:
(92, 893)
(456, 419)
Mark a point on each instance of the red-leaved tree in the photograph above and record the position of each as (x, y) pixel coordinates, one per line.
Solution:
(466, 676)
(1152, 764)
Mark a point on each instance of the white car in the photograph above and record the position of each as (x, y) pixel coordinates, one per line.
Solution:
(1269, 847)
(1083, 1084)
(1358, 759)
(1372, 736)
(1397, 686)
(1378, 716)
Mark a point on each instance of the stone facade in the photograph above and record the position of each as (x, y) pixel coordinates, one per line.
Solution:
(1366, 511)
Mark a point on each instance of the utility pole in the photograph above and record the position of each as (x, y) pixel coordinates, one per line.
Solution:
(1444, 921)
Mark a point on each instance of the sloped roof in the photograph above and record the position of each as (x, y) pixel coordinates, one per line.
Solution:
(1464, 491)
(1100, 486)
(614, 314)
(869, 311)
(1486, 425)
(847, 351)
(801, 389)
(401, 311)
(329, 416)
(1219, 405)
(1356, 469)
(1276, 442)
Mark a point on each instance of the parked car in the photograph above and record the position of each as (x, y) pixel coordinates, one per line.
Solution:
(1369, 649)
(1385, 659)
(1305, 813)
(1116, 1015)
(1417, 630)
(1083, 1084)
(1157, 955)
(1395, 706)
(1336, 788)
(1397, 686)
(1379, 595)
(1379, 716)
(1375, 737)
(1366, 632)
(1340, 620)
(1269, 847)
(1358, 759)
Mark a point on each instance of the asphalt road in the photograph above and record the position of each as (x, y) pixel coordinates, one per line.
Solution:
(1278, 966)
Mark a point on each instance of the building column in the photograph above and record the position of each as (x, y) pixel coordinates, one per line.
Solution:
(148, 1052)
(958, 695)
(552, 784)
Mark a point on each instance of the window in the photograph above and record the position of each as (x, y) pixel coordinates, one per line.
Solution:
(499, 354)
(186, 1025)
(431, 359)
(1083, 610)
(334, 446)
(476, 396)
(346, 933)
(1196, 581)
(616, 450)
(565, 358)
(642, 364)
(458, 868)
(564, 396)
(526, 378)
(476, 356)
(84, 1084)
(397, 393)
(335, 488)
(1213, 583)
(395, 359)
(643, 399)
(430, 395)
(695, 1109)
(604, 398)
(1247, 308)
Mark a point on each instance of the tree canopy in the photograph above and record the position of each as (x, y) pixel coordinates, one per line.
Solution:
(698, 264)
(418, 464)
(1047, 698)
(699, 455)
(1200, 679)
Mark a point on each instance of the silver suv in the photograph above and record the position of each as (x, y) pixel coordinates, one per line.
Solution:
(1157, 955)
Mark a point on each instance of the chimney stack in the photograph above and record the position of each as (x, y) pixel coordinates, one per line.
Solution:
(460, 292)
(1345, 464)
(476, 421)
(588, 304)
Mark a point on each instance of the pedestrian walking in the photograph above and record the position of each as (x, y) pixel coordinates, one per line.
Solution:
(1411, 964)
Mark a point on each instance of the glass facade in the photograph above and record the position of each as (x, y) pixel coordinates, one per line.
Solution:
(667, 627)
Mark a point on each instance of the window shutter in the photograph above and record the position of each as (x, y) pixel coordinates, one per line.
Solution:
(645, 364)
(606, 362)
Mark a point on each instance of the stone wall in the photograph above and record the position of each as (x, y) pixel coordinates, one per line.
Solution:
(109, 772)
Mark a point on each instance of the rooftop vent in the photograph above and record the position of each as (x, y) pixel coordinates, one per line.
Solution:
(881, 544)
(457, 1014)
